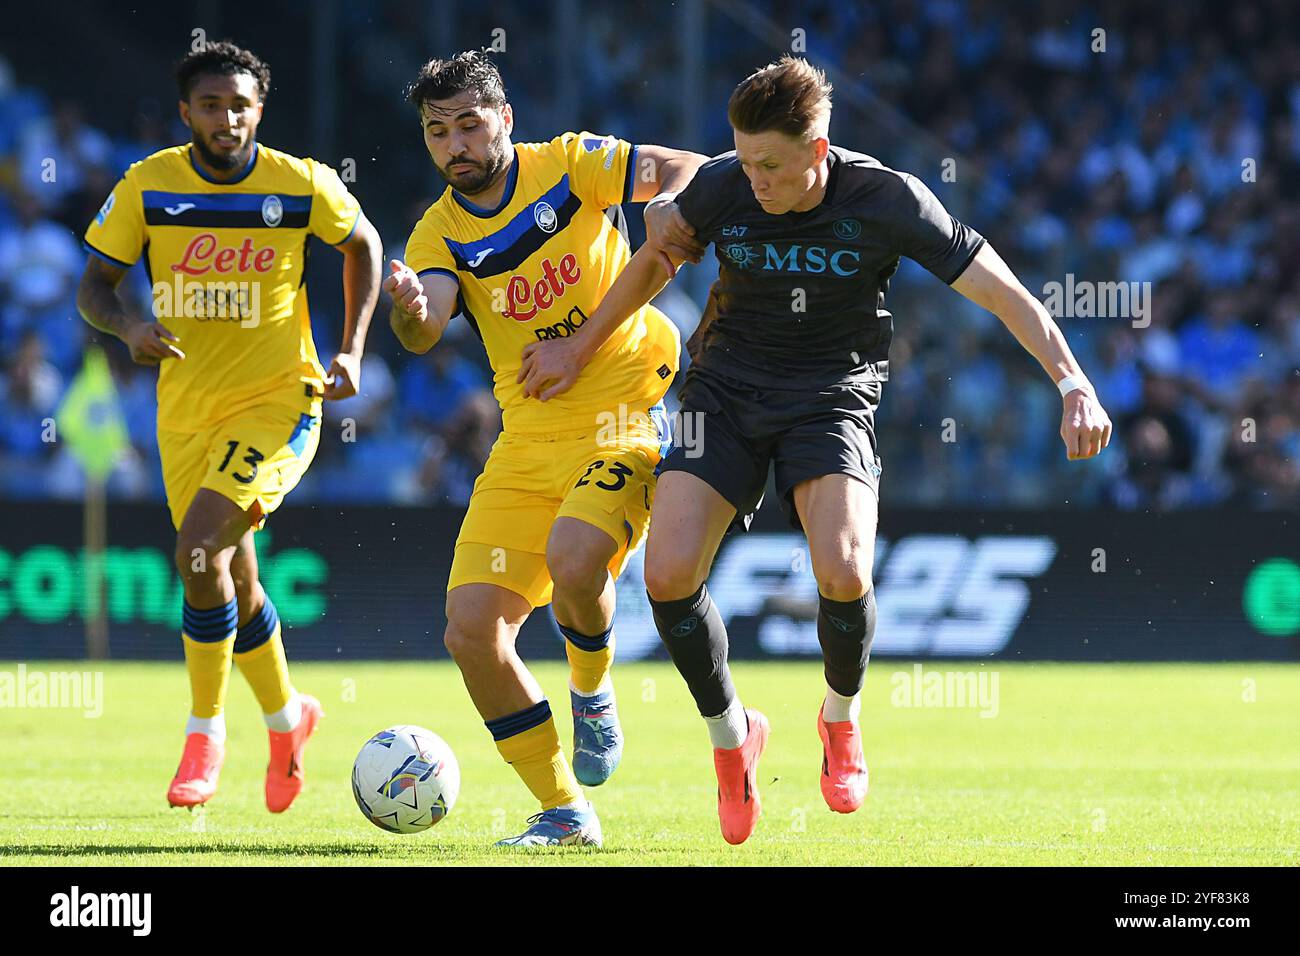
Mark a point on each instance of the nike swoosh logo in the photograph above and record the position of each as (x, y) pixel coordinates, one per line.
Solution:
(481, 256)
(179, 208)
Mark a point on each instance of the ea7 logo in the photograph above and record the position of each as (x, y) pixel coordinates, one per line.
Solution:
(75, 908)
(737, 231)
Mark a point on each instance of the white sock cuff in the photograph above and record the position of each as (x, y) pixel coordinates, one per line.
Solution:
(839, 708)
(286, 718)
(728, 729)
(604, 688)
(214, 727)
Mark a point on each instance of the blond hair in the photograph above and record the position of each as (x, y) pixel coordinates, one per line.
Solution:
(791, 96)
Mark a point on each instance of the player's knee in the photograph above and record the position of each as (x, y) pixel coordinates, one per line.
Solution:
(670, 580)
(456, 641)
(843, 580)
(243, 580)
(475, 643)
(469, 635)
(199, 556)
(576, 573)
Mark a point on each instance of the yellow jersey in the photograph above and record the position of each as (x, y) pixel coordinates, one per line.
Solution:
(536, 266)
(225, 262)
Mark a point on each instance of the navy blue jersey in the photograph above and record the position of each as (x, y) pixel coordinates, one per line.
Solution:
(801, 296)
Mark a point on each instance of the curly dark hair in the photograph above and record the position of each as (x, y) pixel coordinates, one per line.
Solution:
(472, 70)
(222, 57)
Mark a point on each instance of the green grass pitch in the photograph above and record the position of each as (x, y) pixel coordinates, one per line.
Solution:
(1081, 765)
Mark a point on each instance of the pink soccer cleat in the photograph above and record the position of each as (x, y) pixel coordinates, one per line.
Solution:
(844, 769)
(739, 806)
(284, 774)
(196, 777)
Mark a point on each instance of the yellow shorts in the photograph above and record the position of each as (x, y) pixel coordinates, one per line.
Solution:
(606, 480)
(255, 457)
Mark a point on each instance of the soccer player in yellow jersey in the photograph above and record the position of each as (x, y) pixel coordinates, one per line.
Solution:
(223, 223)
(525, 242)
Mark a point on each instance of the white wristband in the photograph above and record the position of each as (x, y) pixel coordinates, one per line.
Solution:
(1071, 382)
(662, 197)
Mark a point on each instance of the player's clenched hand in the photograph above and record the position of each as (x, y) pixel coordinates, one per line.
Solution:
(1085, 426)
(151, 342)
(668, 232)
(550, 368)
(404, 288)
(343, 380)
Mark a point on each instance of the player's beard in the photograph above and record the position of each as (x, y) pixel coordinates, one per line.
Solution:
(226, 163)
(483, 175)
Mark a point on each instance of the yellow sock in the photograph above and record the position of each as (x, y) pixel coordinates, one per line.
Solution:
(208, 636)
(536, 755)
(590, 658)
(259, 652)
(588, 669)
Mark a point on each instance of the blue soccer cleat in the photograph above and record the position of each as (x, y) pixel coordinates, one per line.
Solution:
(559, 827)
(597, 738)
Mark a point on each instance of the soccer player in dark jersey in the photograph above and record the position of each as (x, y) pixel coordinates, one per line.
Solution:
(789, 374)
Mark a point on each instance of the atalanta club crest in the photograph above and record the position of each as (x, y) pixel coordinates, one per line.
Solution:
(545, 217)
(272, 211)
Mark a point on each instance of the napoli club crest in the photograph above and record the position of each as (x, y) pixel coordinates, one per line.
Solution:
(847, 229)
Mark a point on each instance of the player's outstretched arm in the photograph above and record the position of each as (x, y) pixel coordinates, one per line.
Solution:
(550, 368)
(989, 282)
(99, 305)
(660, 174)
(363, 254)
(662, 169)
(422, 305)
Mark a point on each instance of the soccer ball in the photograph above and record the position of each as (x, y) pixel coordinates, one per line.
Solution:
(405, 779)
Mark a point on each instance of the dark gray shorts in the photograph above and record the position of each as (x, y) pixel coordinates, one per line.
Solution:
(731, 433)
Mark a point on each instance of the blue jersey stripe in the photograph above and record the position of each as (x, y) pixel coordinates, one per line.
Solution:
(629, 183)
(301, 432)
(664, 426)
(222, 202)
(439, 270)
(350, 231)
(105, 256)
(498, 242)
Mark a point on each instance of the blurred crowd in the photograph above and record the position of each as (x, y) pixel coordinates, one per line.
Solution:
(1163, 151)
